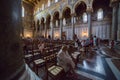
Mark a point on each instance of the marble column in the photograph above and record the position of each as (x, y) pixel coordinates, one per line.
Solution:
(73, 26)
(46, 29)
(52, 28)
(61, 27)
(114, 21)
(89, 23)
(40, 29)
(11, 55)
(119, 22)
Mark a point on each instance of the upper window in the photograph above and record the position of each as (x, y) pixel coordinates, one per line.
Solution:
(23, 12)
(56, 0)
(100, 14)
(84, 17)
(64, 22)
(56, 23)
(48, 3)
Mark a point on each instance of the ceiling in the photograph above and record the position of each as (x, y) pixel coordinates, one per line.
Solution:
(33, 2)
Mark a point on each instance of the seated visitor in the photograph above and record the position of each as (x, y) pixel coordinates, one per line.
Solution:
(41, 46)
(65, 60)
(49, 37)
(112, 44)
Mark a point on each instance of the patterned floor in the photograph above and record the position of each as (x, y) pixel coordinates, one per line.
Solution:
(93, 67)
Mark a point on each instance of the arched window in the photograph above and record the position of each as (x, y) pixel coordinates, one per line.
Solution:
(84, 17)
(64, 21)
(100, 14)
(48, 3)
(56, 0)
(56, 23)
(23, 11)
(43, 6)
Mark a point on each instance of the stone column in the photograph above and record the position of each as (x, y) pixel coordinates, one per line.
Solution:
(61, 27)
(11, 55)
(119, 22)
(114, 20)
(52, 28)
(73, 27)
(45, 29)
(89, 12)
(40, 29)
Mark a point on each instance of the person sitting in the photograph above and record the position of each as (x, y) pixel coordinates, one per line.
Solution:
(41, 46)
(65, 60)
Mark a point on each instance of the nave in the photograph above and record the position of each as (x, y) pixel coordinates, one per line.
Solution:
(90, 62)
(91, 65)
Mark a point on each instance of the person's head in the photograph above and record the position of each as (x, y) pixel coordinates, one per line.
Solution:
(64, 48)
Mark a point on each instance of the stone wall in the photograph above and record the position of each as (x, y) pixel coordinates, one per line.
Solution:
(28, 20)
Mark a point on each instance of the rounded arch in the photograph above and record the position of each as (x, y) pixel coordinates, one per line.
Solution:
(66, 12)
(42, 20)
(66, 6)
(80, 8)
(56, 10)
(48, 19)
(56, 15)
(78, 2)
(104, 5)
(56, 19)
(100, 4)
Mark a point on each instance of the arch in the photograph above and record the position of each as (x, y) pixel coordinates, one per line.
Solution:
(56, 10)
(42, 23)
(48, 20)
(78, 2)
(66, 12)
(66, 6)
(100, 4)
(80, 8)
(56, 15)
(56, 18)
(104, 5)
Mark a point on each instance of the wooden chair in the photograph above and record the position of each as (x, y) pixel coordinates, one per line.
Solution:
(38, 62)
(53, 71)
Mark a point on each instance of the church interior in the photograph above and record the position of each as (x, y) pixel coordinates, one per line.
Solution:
(60, 40)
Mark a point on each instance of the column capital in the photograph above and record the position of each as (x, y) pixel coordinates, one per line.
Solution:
(60, 18)
(73, 14)
(89, 9)
(51, 18)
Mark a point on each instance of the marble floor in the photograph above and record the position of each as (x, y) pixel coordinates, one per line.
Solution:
(94, 66)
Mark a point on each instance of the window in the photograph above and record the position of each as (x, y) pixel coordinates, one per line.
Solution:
(48, 3)
(43, 6)
(56, 0)
(84, 17)
(100, 14)
(64, 22)
(56, 23)
(23, 11)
